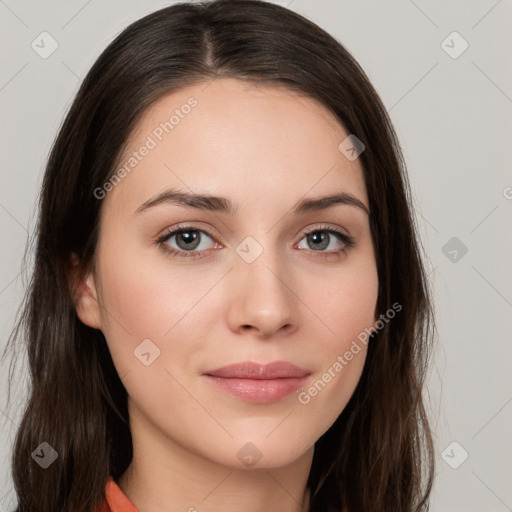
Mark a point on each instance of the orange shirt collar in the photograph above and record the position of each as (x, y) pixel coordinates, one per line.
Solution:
(116, 498)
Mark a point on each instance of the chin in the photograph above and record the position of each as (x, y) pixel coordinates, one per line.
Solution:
(263, 453)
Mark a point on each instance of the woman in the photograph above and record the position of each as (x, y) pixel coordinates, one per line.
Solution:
(228, 309)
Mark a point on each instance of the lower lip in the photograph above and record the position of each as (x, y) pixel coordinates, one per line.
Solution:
(258, 390)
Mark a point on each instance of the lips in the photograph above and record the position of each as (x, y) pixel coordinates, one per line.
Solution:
(250, 370)
(258, 383)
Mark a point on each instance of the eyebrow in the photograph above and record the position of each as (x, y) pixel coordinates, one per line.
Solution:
(224, 205)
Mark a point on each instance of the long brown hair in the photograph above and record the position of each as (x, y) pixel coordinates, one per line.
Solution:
(378, 455)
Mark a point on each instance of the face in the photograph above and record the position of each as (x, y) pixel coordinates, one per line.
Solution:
(251, 277)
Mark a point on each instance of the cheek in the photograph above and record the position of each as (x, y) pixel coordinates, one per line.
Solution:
(144, 297)
(346, 306)
(131, 299)
(347, 299)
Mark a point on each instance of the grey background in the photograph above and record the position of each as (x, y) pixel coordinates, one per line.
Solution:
(453, 117)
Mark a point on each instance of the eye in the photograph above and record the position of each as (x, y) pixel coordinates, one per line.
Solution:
(325, 237)
(187, 240)
(191, 242)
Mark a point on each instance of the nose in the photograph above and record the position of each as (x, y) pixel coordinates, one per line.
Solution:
(263, 300)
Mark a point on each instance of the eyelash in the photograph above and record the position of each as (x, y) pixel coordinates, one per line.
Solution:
(347, 240)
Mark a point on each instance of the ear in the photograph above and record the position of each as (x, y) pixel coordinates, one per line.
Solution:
(84, 293)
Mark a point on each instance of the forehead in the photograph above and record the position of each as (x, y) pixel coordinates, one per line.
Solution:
(258, 145)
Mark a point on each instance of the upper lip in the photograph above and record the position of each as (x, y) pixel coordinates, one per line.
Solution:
(251, 370)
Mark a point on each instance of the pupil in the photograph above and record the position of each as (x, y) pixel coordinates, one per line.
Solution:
(319, 236)
(189, 237)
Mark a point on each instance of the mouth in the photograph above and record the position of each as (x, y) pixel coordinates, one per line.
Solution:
(258, 383)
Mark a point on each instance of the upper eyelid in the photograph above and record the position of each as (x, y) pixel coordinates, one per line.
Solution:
(168, 232)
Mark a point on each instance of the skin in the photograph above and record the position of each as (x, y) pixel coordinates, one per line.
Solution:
(264, 148)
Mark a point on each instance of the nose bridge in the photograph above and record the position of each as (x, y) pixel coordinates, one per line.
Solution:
(263, 297)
